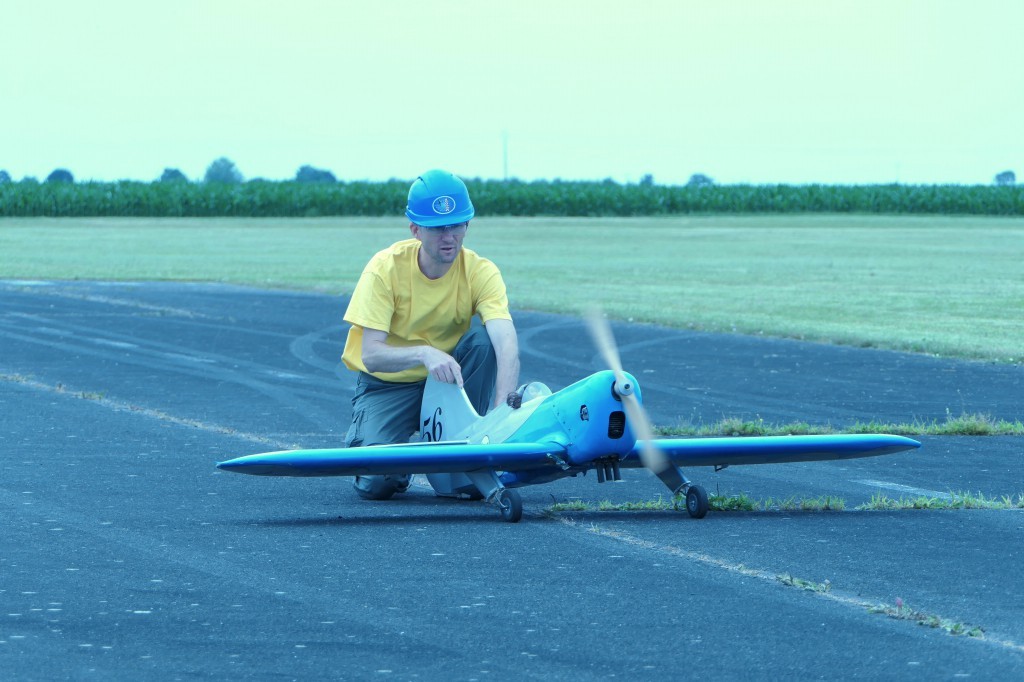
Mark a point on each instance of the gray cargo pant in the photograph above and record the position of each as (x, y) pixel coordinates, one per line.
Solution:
(385, 412)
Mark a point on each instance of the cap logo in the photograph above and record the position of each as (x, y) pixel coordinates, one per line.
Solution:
(443, 205)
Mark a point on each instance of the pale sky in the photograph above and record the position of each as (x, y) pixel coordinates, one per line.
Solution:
(791, 91)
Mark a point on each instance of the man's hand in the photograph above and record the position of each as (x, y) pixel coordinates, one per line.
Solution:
(378, 356)
(442, 366)
(515, 399)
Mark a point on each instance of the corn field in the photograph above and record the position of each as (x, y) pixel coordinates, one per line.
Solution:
(493, 197)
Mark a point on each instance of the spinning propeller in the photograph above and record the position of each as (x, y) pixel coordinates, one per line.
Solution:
(601, 332)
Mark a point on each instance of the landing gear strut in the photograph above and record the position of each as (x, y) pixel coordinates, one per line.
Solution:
(509, 503)
(696, 496)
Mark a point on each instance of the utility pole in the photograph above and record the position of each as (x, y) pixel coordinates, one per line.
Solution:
(504, 152)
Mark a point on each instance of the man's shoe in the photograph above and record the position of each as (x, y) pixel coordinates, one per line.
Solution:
(400, 481)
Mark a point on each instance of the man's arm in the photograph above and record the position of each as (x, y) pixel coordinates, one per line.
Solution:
(506, 349)
(378, 356)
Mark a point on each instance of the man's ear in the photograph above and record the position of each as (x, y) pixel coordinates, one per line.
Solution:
(415, 230)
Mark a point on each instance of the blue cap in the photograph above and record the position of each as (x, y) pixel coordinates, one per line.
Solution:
(438, 198)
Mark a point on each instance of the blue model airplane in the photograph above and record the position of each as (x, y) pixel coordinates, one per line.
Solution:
(597, 423)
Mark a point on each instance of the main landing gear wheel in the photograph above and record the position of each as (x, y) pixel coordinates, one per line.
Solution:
(697, 501)
(510, 504)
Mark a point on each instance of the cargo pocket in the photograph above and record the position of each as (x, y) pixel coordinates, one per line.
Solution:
(354, 437)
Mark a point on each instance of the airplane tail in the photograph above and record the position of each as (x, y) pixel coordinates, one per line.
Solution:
(446, 413)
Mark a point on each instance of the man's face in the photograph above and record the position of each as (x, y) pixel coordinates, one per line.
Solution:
(440, 245)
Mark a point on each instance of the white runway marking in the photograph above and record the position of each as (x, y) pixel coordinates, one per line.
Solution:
(885, 485)
(113, 344)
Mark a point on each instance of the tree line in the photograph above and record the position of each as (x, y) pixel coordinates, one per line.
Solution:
(222, 170)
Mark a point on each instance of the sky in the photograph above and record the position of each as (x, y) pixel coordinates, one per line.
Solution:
(743, 91)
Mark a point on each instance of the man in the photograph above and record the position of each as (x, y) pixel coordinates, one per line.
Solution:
(411, 315)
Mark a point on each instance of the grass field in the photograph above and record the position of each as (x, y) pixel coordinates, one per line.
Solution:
(946, 285)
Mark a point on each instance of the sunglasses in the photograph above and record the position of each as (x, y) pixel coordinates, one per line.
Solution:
(450, 229)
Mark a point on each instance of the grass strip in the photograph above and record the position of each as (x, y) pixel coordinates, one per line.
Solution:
(822, 503)
(963, 425)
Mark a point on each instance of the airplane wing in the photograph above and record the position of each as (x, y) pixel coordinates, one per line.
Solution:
(405, 458)
(773, 449)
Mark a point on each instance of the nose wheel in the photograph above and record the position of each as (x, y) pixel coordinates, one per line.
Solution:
(510, 504)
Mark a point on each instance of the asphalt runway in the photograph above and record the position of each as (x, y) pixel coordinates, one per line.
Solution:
(125, 554)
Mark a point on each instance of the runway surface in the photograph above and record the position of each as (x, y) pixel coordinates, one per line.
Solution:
(124, 554)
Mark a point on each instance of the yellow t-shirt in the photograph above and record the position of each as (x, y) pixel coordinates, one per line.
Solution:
(394, 296)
